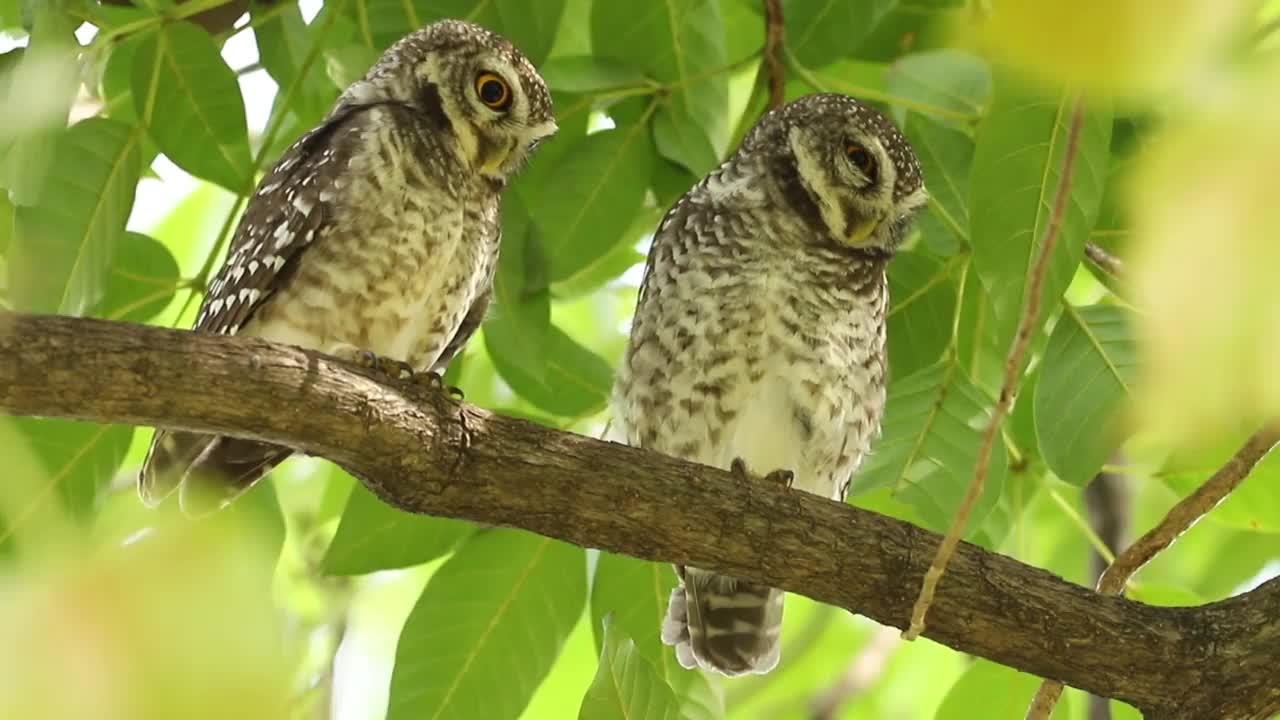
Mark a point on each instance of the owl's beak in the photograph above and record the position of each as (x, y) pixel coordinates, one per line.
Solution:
(492, 162)
(863, 232)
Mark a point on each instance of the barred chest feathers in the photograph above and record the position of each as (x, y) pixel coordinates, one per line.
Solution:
(411, 246)
(774, 356)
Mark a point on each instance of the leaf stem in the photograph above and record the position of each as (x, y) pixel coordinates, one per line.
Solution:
(1078, 520)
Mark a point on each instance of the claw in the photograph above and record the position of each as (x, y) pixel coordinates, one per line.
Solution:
(435, 381)
(781, 477)
(394, 369)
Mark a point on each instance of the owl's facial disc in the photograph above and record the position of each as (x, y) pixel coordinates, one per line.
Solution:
(496, 105)
(506, 113)
(852, 178)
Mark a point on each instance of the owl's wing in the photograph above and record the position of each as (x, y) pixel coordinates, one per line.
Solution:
(292, 206)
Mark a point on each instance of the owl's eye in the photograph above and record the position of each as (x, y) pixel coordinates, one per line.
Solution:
(493, 91)
(861, 159)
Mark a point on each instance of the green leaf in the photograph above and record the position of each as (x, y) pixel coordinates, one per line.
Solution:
(577, 381)
(588, 74)
(1165, 595)
(529, 24)
(80, 459)
(1017, 165)
(374, 536)
(10, 15)
(609, 267)
(680, 140)
(994, 692)
(598, 188)
(820, 32)
(909, 24)
(143, 279)
(63, 245)
(284, 42)
(518, 326)
(946, 156)
(634, 594)
(1088, 368)
(677, 42)
(931, 434)
(347, 63)
(1254, 505)
(487, 628)
(626, 686)
(743, 29)
(954, 81)
(6, 228)
(922, 307)
(38, 86)
(193, 101)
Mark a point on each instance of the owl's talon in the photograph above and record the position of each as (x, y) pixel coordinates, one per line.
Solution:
(394, 369)
(435, 381)
(778, 477)
(782, 477)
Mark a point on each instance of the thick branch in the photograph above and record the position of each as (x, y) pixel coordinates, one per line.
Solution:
(421, 452)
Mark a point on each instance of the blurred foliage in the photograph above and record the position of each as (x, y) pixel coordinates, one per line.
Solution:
(134, 614)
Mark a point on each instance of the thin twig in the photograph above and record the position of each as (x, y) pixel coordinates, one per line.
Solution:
(774, 30)
(1179, 519)
(1108, 263)
(1012, 374)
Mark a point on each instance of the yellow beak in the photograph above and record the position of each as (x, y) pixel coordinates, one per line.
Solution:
(858, 237)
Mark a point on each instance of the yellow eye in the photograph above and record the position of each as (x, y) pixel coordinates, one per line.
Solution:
(493, 91)
(861, 159)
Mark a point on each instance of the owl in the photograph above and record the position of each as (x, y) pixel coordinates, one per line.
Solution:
(375, 236)
(758, 343)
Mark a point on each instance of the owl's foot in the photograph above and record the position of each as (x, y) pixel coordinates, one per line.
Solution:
(435, 381)
(781, 477)
(394, 369)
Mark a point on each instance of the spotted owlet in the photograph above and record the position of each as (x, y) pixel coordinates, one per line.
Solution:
(375, 236)
(758, 343)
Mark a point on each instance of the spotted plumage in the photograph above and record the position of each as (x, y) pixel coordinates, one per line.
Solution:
(376, 232)
(758, 342)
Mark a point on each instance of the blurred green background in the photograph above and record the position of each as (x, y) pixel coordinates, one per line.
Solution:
(133, 133)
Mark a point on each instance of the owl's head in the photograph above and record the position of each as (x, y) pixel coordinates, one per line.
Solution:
(472, 81)
(846, 165)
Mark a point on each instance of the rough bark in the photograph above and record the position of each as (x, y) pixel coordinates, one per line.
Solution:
(422, 452)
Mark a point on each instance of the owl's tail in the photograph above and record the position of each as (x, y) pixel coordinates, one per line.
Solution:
(724, 624)
(211, 470)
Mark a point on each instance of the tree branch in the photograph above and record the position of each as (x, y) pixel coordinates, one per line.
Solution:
(1178, 520)
(424, 453)
(774, 31)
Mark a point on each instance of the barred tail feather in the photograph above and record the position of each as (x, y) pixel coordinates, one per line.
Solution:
(210, 470)
(724, 624)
